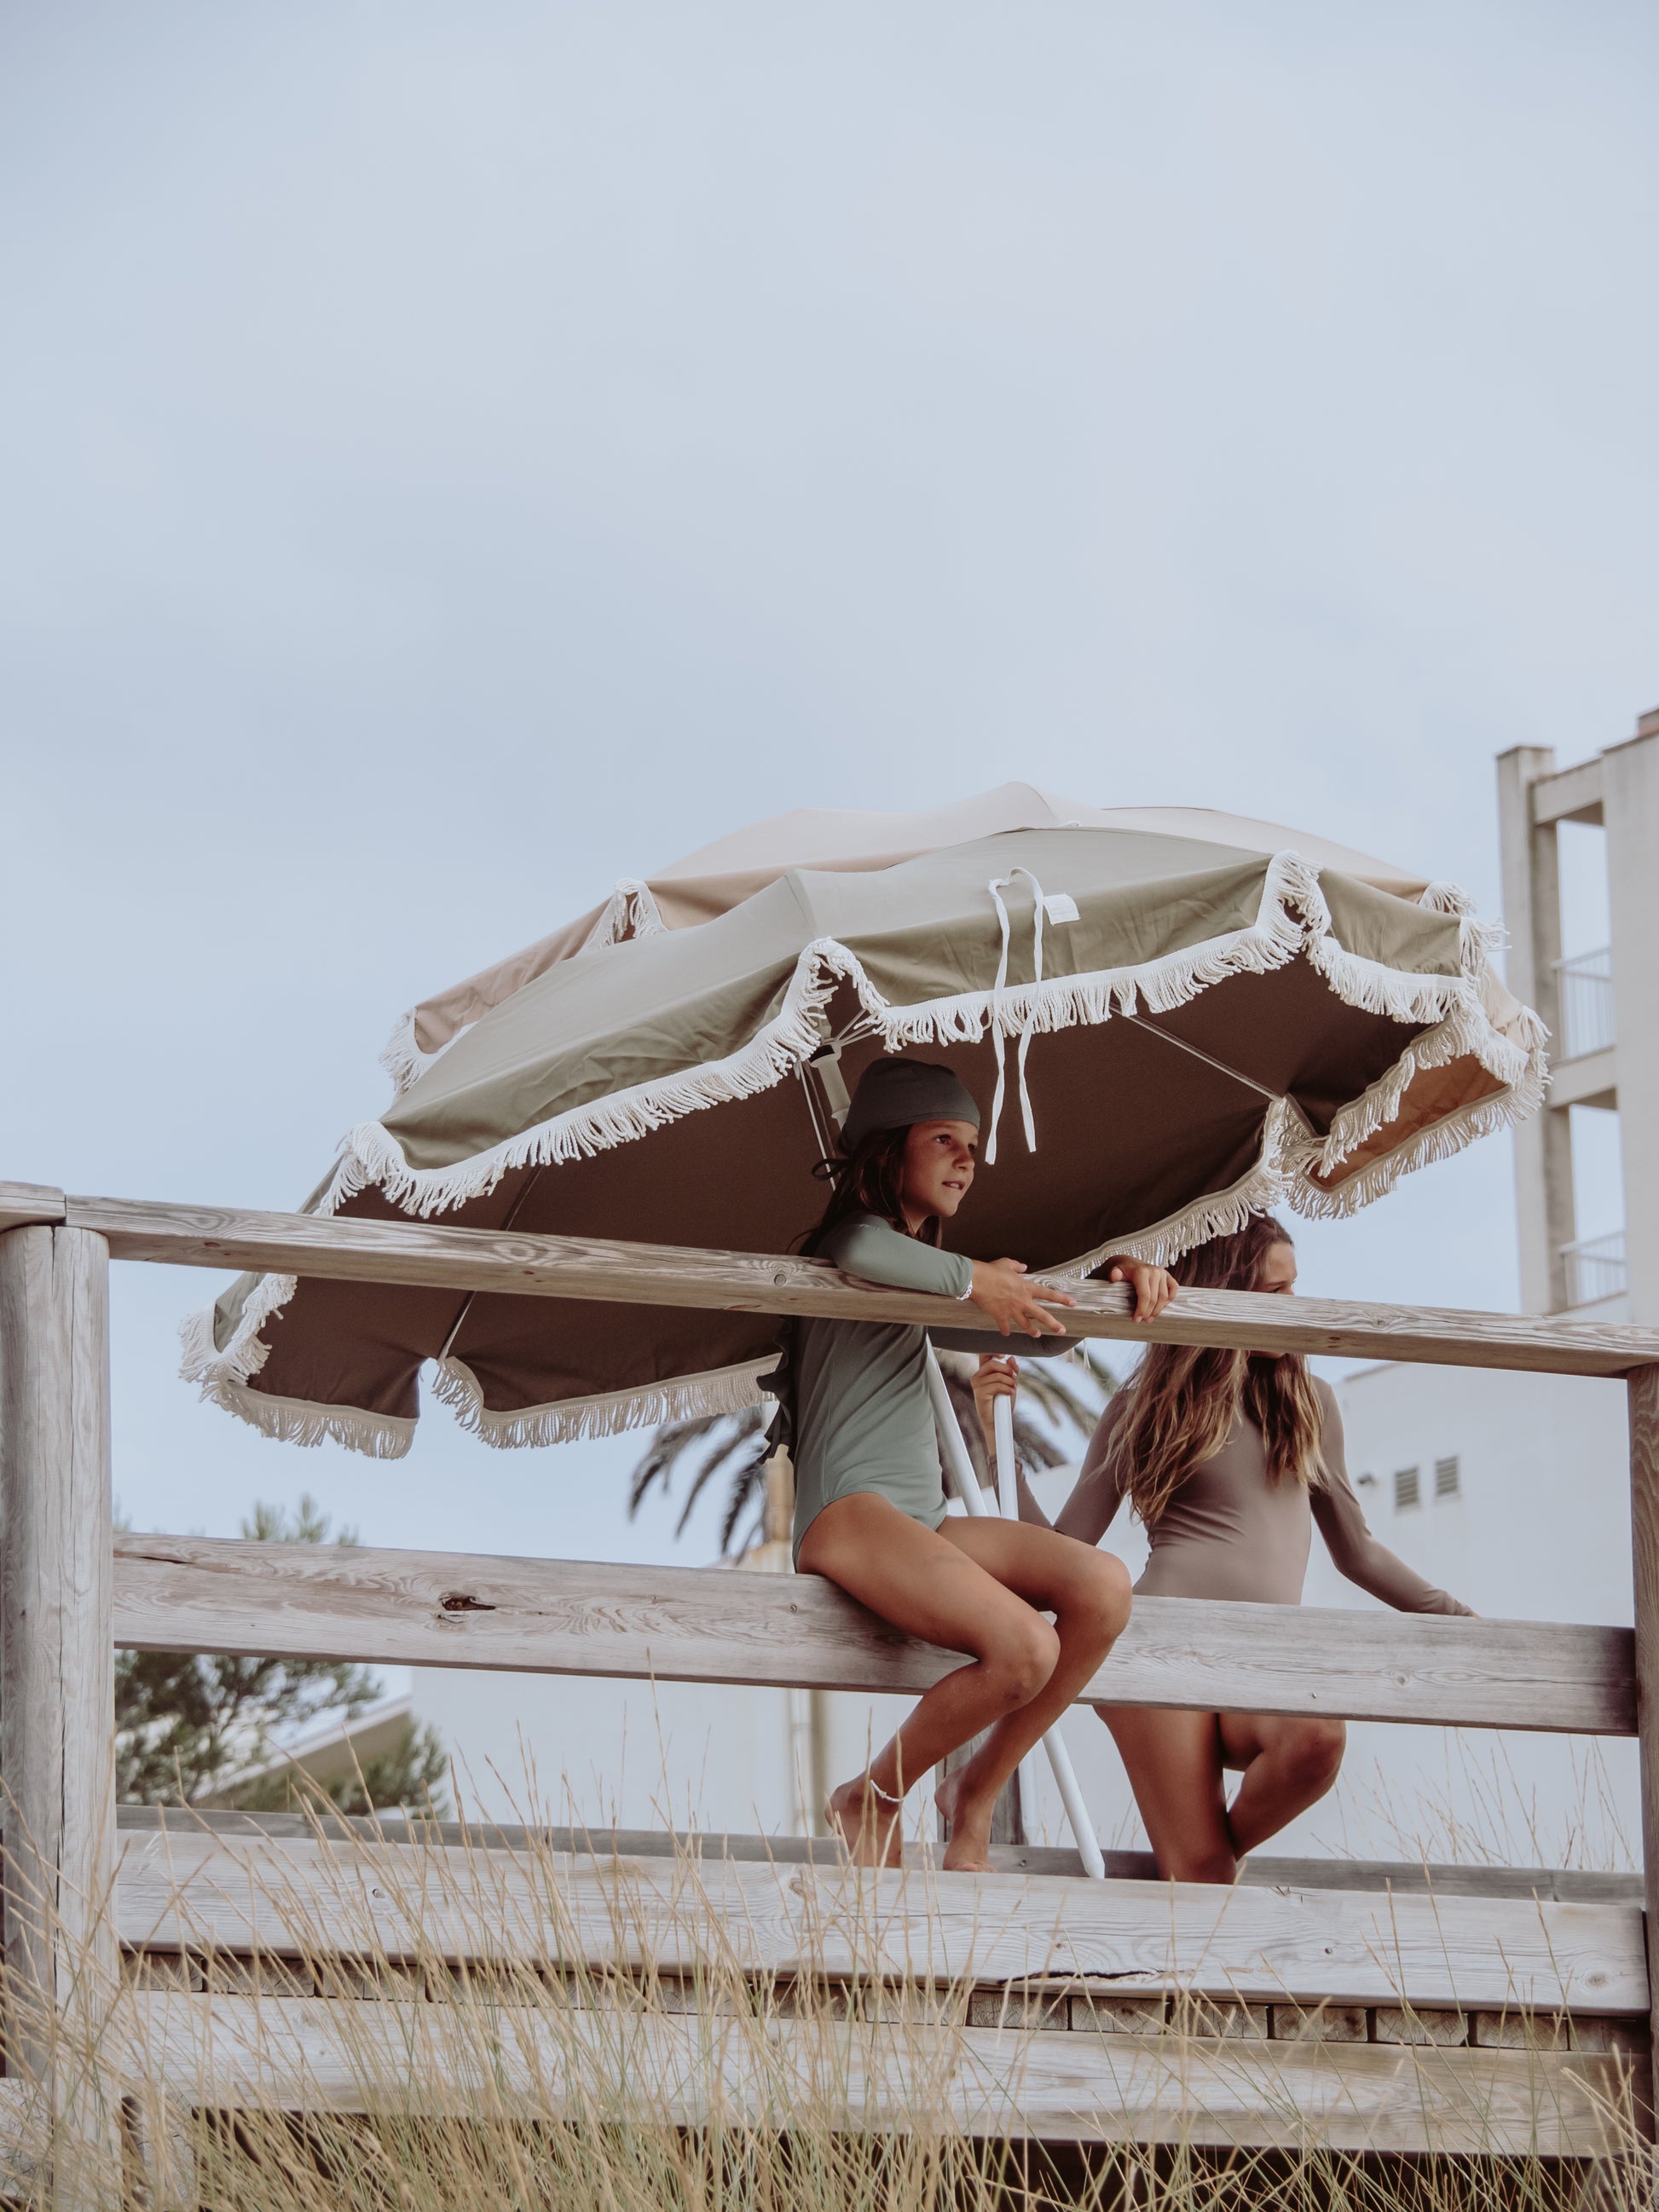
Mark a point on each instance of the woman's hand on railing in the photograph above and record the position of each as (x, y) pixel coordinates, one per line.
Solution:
(1017, 1307)
(997, 1378)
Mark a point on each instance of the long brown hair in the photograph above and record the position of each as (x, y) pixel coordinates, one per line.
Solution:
(1179, 1408)
(869, 1179)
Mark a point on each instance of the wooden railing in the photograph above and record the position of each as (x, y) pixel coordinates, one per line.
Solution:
(684, 1624)
(70, 1591)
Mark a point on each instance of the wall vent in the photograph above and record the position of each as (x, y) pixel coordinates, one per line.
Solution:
(1407, 1489)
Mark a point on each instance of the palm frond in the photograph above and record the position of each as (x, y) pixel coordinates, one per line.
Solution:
(747, 1489)
(667, 1446)
(735, 1431)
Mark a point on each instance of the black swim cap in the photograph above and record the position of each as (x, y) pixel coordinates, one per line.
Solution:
(897, 1094)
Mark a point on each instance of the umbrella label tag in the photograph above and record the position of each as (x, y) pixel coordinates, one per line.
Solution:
(1060, 906)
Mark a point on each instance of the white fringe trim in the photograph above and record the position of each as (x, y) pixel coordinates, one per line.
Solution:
(1438, 1142)
(630, 912)
(720, 1390)
(245, 1355)
(1519, 1068)
(369, 1154)
(224, 1378)
(1156, 986)
(1286, 1144)
(403, 1059)
(301, 1421)
(1293, 918)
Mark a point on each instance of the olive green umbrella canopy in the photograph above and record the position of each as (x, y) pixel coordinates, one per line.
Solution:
(1191, 1016)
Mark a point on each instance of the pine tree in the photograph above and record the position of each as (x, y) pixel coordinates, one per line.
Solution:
(187, 1723)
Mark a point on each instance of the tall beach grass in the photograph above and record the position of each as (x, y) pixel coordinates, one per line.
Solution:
(626, 2044)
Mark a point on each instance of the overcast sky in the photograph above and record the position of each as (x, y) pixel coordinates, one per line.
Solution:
(455, 455)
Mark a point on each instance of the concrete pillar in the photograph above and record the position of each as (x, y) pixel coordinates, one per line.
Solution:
(1630, 789)
(1532, 916)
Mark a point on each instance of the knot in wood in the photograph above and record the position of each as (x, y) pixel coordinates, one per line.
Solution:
(464, 1602)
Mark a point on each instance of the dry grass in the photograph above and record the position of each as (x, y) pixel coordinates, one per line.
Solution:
(640, 2067)
(1477, 1810)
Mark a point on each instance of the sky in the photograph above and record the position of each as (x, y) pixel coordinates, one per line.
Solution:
(454, 456)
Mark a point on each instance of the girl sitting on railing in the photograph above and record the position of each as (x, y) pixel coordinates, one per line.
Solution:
(869, 1501)
(1228, 1458)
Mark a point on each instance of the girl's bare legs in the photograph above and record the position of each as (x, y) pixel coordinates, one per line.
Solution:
(1176, 1763)
(1089, 1598)
(979, 1586)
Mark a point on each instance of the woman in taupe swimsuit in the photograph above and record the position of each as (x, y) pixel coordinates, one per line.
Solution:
(1228, 1458)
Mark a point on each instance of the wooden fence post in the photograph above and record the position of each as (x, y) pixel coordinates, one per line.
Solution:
(1643, 1388)
(56, 1677)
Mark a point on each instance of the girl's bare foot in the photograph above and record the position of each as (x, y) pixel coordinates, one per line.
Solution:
(867, 1822)
(969, 1850)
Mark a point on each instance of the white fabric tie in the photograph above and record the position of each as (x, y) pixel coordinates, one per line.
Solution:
(1063, 910)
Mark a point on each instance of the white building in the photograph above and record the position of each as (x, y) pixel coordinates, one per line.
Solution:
(1510, 1490)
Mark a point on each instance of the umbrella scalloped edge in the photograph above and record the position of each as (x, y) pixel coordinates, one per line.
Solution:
(224, 1376)
(568, 1420)
(630, 912)
(1292, 919)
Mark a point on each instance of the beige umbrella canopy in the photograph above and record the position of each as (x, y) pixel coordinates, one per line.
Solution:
(720, 876)
(1197, 1014)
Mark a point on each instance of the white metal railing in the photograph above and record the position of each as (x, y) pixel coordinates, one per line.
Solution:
(1595, 1269)
(1583, 997)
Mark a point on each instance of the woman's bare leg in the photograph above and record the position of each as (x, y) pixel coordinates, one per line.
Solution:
(968, 1597)
(1174, 1765)
(1288, 1765)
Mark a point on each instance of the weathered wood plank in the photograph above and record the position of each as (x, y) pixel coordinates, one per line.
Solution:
(686, 1624)
(243, 1893)
(1405, 1878)
(576, 1268)
(22, 1203)
(57, 1651)
(1644, 1551)
(296, 2054)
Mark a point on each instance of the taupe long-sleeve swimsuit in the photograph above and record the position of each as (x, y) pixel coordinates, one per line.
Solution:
(1229, 1531)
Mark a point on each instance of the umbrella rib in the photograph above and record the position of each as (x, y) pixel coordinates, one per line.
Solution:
(1198, 1053)
(512, 1213)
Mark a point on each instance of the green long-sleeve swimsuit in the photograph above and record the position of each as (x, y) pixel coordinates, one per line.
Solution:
(861, 1416)
(863, 1420)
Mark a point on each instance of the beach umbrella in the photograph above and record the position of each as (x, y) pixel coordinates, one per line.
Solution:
(1169, 1017)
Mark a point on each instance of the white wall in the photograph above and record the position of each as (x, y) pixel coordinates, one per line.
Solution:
(1539, 1531)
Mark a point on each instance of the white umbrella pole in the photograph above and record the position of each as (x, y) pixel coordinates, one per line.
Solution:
(966, 1485)
(1007, 1469)
(1008, 1500)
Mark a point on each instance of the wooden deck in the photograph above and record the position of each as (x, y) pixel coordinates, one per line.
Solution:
(1377, 2008)
(267, 1962)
